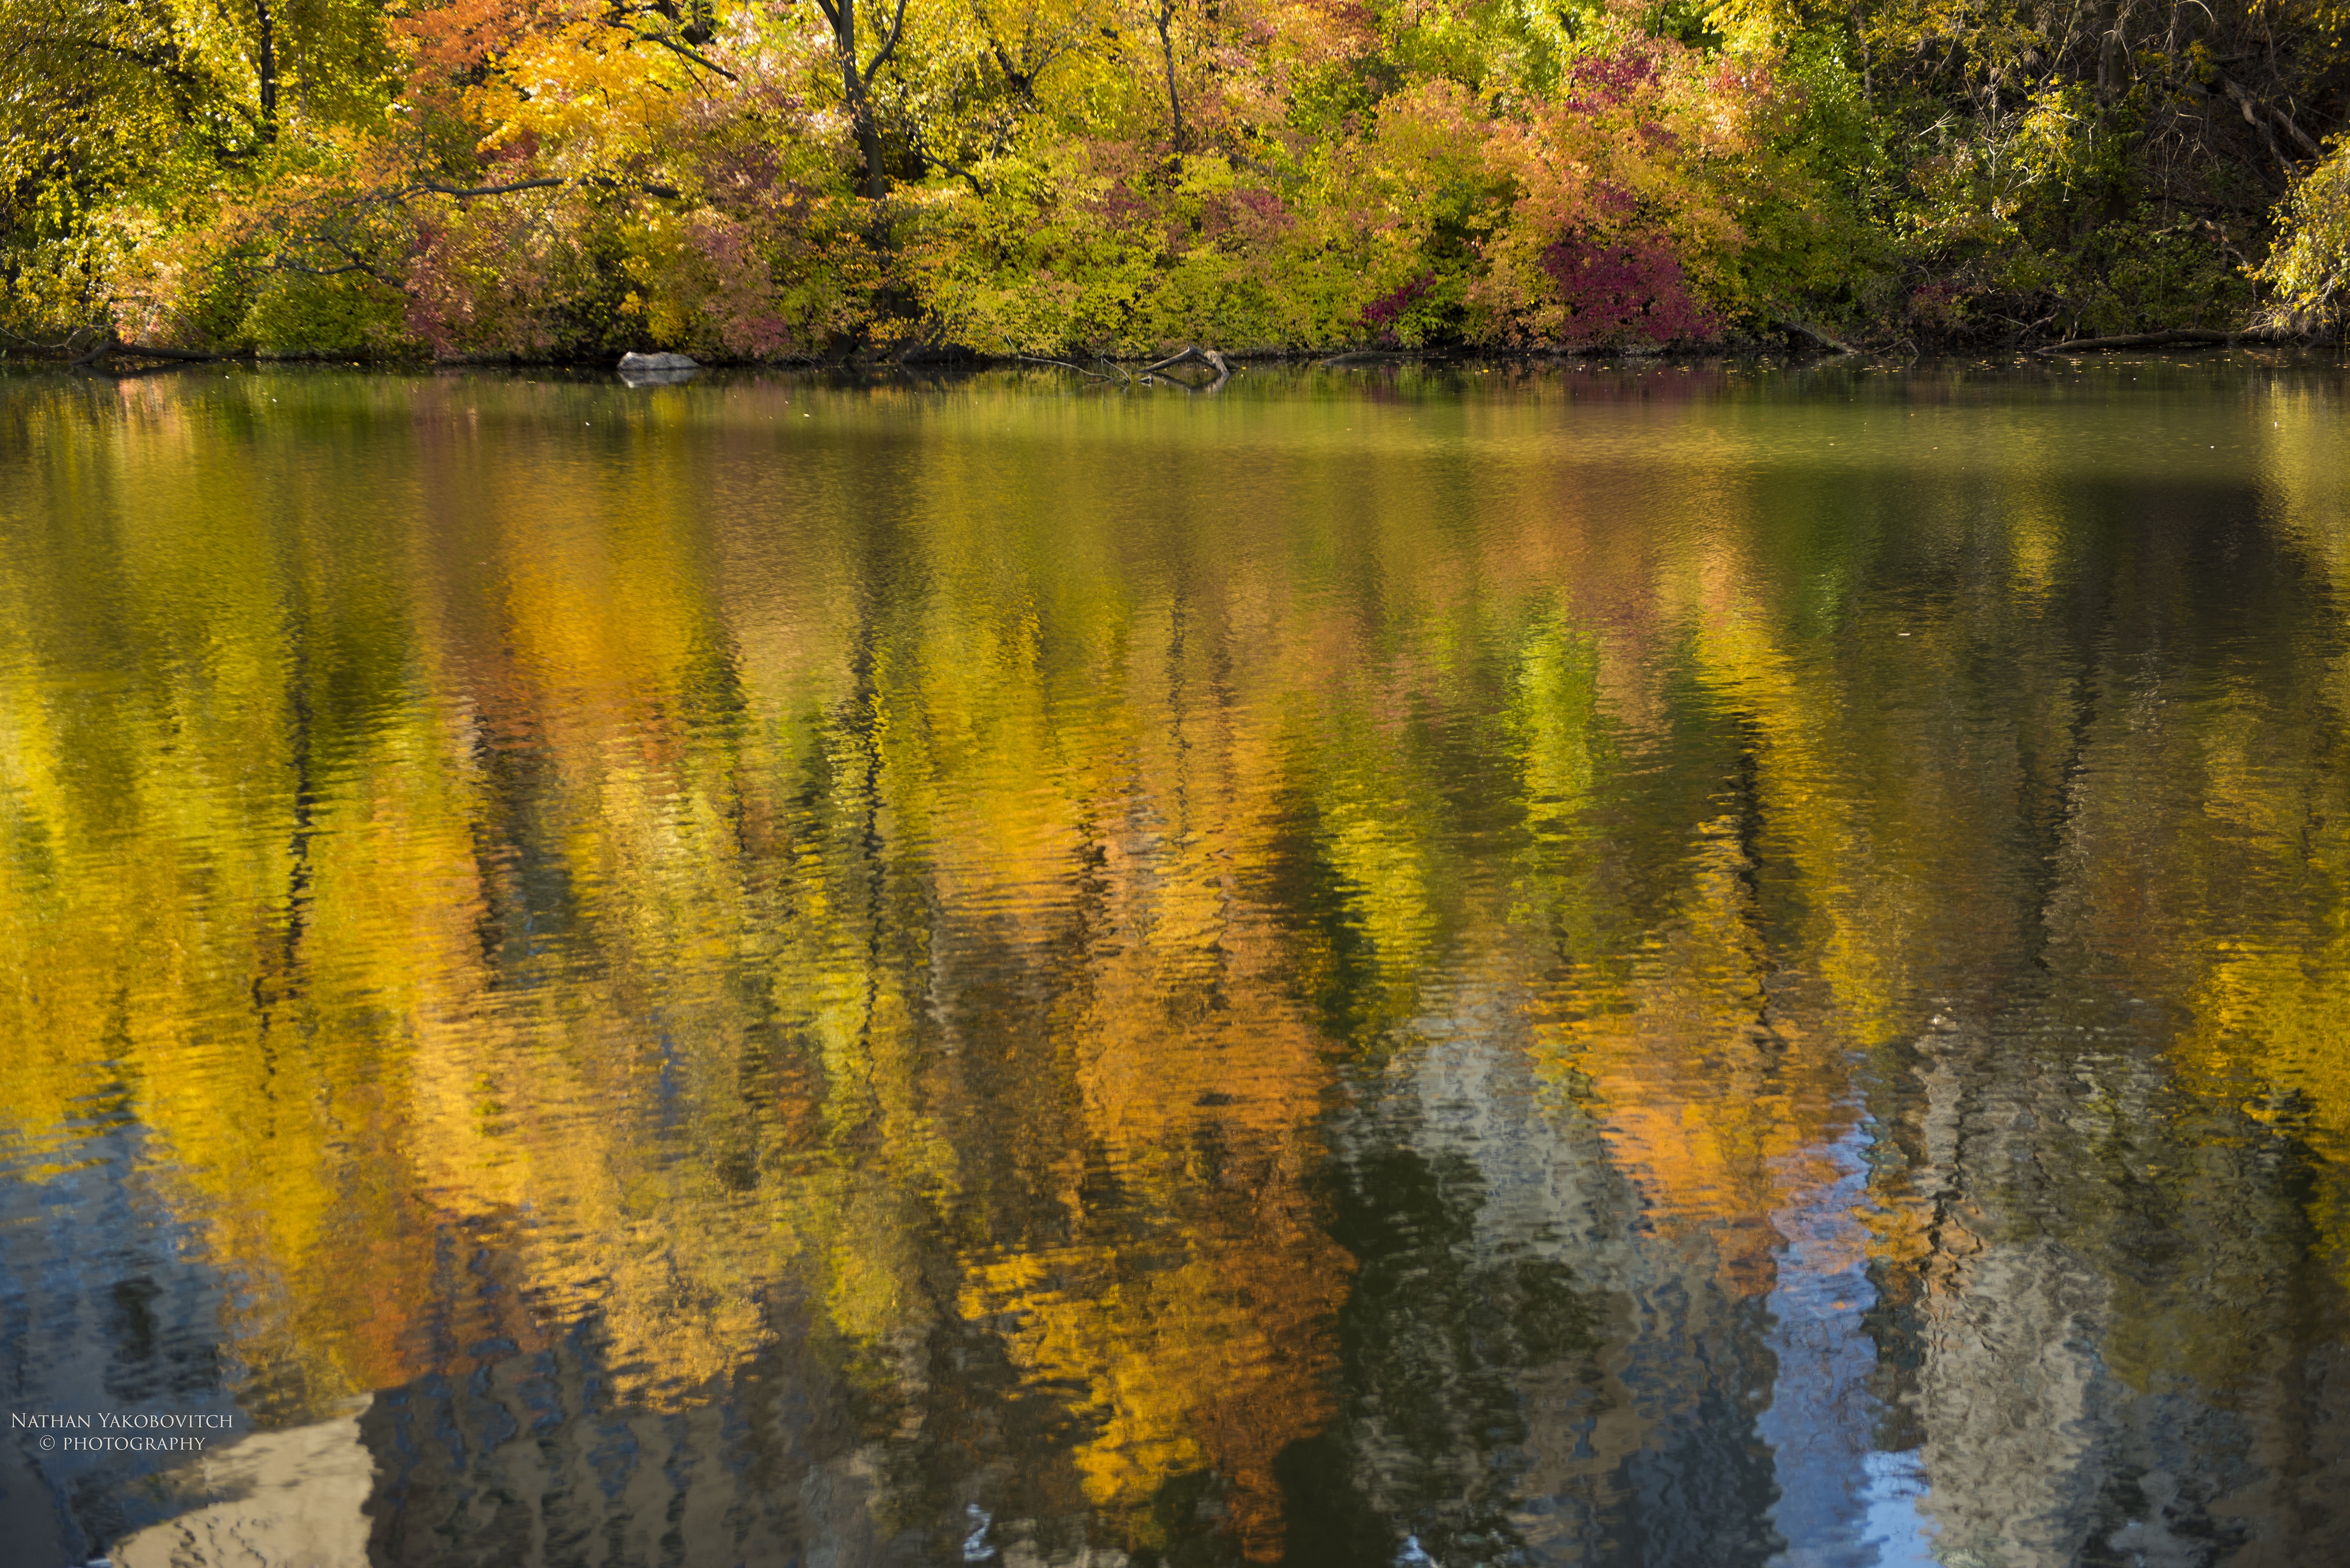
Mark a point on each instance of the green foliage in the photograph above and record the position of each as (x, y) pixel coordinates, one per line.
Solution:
(1825, 176)
(2090, 170)
(1692, 23)
(2308, 273)
(2144, 272)
(348, 316)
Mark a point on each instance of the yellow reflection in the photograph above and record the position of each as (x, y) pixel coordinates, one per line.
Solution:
(695, 862)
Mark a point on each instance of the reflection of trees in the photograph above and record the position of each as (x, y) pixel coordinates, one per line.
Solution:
(918, 871)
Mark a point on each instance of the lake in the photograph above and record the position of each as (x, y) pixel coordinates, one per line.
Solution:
(1670, 964)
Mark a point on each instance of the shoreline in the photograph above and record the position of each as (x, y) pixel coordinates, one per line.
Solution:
(130, 360)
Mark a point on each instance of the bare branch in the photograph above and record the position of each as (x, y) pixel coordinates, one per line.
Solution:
(440, 190)
(897, 26)
(682, 52)
(601, 181)
(2252, 110)
(1063, 363)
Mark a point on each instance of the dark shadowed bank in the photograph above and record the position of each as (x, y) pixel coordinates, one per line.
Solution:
(1109, 181)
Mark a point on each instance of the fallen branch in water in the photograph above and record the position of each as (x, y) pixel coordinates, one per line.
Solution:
(1063, 363)
(1193, 354)
(1805, 329)
(152, 351)
(102, 355)
(2141, 340)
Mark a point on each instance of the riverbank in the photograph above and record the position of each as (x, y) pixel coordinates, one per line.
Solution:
(1791, 348)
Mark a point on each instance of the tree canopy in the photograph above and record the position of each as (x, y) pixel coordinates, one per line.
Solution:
(772, 178)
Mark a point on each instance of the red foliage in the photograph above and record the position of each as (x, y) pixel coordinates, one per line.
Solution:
(1381, 315)
(452, 42)
(1636, 288)
(1604, 81)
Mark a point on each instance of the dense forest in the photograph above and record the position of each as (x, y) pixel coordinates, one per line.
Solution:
(556, 178)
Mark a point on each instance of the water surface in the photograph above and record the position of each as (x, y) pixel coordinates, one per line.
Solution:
(1688, 965)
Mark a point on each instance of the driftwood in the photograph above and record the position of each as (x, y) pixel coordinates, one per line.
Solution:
(1805, 329)
(109, 348)
(1193, 355)
(153, 351)
(2141, 340)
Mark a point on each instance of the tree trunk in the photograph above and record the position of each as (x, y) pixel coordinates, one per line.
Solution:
(1165, 19)
(869, 145)
(857, 83)
(265, 66)
(861, 102)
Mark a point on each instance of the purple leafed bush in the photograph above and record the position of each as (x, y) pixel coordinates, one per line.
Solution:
(1382, 314)
(1635, 288)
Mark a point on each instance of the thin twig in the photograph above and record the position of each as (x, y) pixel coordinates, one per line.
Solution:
(1063, 363)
